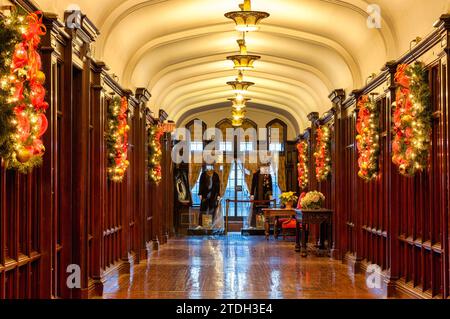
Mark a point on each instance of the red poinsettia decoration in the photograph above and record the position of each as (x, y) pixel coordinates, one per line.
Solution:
(411, 119)
(322, 154)
(367, 126)
(302, 148)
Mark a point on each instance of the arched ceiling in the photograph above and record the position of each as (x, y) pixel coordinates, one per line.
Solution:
(177, 48)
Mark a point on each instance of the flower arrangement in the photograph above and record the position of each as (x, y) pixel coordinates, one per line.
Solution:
(22, 93)
(155, 133)
(288, 198)
(117, 139)
(411, 119)
(322, 154)
(368, 137)
(302, 165)
(313, 200)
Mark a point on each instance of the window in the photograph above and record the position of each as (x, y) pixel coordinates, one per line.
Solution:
(195, 198)
(237, 190)
(226, 146)
(196, 146)
(276, 147)
(276, 133)
(276, 189)
(246, 147)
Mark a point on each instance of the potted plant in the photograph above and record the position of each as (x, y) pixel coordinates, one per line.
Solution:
(313, 201)
(288, 199)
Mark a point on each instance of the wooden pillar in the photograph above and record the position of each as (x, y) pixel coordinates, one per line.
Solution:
(143, 97)
(391, 202)
(337, 98)
(82, 37)
(313, 118)
(55, 207)
(98, 177)
(445, 81)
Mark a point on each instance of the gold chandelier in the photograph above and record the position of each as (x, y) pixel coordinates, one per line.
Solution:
(247, 20)
(243, 61)
(239, 105)
(240, 86)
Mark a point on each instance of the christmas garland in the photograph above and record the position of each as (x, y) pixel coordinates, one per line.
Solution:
(322, 154)
(412, 119)
(368, 137)
(117, 139)
(302, 166)
(22, 102)
(155, 134)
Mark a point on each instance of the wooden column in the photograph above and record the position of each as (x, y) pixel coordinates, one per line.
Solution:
(313, 118)
(445, 82)
(337, 98)
(392, 201)
(98, 179)
(82, 38)
(143, 96)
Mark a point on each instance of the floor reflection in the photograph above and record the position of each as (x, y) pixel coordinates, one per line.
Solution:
(237, 267)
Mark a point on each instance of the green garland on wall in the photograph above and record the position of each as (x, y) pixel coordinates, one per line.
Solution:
(9, 37)
(412, 118)
(155, 133)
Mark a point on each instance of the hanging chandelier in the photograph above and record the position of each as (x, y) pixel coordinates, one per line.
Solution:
(239, 105)
(243, 61)
(239, 86)
(238, 115)
(247, 20)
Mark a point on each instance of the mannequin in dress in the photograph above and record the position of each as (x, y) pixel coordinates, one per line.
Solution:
(209, 193)
(261, 190)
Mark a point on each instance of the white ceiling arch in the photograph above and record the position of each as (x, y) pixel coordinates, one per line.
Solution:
(308, 47)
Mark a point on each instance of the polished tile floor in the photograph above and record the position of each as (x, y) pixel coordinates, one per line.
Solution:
(237, 267)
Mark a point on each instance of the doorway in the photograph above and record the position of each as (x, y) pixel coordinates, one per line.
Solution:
(237, 189)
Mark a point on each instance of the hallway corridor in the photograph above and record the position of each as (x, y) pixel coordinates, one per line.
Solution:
(237, 267)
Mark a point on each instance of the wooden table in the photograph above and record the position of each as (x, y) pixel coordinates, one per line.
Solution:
(309, 217)
(274, 214)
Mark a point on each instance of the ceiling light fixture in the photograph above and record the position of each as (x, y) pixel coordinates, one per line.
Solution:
(243, 61)
(240, 87)
(247, 20)
(239, 104)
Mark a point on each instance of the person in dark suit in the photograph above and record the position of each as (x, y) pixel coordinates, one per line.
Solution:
(261, 190)
(209, 193)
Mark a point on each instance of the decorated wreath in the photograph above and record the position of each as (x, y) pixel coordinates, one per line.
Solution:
(412, 119)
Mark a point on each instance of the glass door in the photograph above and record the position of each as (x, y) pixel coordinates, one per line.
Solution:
(237, 190)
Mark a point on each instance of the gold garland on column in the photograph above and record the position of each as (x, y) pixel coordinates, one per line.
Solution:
(368, 138)
(117, 139)
(302, 166)
(323, 153)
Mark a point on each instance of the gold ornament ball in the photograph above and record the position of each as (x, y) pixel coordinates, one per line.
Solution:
(23, 155)
(40, 77)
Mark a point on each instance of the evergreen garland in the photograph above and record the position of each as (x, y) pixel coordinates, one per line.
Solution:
(9, 37)
(155, 133)
(117, 139)
(412, 119)
(368, 138)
